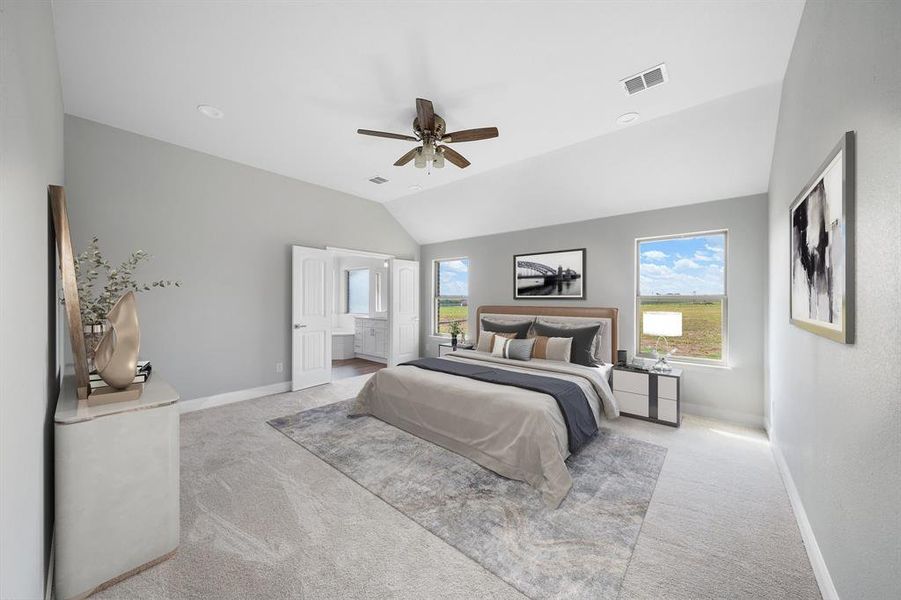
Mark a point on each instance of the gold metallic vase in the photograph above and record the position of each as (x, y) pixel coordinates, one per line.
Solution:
(116, 357)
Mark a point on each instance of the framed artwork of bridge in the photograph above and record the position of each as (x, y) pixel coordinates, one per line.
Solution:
(549, 275)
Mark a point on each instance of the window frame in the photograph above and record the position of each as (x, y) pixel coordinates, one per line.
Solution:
(436, 286)
(347, 291)
(379, 303)
(723, 361)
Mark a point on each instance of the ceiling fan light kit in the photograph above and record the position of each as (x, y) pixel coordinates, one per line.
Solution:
(429, 130)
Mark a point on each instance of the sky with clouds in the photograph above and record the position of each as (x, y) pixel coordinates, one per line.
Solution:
(453, 277)
(683, 266)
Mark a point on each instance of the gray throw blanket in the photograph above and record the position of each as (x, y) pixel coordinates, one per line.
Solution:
(580, 423)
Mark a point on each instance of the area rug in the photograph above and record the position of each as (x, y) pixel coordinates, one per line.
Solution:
(580, 550)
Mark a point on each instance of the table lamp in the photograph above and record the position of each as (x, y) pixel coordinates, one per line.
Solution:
(663, 325)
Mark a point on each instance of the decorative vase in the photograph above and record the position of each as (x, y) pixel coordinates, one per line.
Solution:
(454, 340)
(116, 355)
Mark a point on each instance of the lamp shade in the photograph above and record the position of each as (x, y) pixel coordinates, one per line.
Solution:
(666, 324)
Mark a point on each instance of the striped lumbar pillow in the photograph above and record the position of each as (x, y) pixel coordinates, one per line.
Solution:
(553, 348)
(486, 340)
(513, 348)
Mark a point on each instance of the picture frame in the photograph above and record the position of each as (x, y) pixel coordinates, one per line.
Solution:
(56, 196)
(550, 275)
(821, 248)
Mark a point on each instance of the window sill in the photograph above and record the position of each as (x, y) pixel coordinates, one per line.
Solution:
(434, 337)
(687, 363)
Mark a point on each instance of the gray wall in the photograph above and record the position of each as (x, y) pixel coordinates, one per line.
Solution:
(222, 228)
(31, 157)
(734, 393)
(835, 410)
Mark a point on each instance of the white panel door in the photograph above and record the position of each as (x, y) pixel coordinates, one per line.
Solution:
(404, 316)
(311, 333)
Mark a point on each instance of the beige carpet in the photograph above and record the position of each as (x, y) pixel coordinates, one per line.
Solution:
(264, 518)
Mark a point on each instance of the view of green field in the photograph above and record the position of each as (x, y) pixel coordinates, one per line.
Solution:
(702, 328)
(448, 313)
(702, 325)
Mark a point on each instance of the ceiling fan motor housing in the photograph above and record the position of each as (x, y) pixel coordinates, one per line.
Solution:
(439, 128)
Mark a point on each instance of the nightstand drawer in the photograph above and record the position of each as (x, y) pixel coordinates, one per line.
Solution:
(666, 410)
(667, 387)
(634, 404)
(636, 383)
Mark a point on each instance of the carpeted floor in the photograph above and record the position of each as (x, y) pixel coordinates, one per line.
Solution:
(264, 518)
(578, 551)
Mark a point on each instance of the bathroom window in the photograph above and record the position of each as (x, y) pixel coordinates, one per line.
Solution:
(357, 285)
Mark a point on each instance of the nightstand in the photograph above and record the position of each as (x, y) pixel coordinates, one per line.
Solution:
(649, 395)
(447, 347)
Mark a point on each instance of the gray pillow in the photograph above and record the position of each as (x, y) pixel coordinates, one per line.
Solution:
(518, 349)
(582, 339)
(520, 329)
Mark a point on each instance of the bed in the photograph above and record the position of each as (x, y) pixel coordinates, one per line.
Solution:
(518, 432)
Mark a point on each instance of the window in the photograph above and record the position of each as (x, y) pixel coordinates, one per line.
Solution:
(358, 291)
(683, 274)
(451, 295)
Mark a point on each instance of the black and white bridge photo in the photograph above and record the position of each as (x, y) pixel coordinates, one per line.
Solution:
(549, 274)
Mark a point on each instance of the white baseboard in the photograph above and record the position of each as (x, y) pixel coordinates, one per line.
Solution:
(733, 416)
(820, 571)
(49, 590)
(186, 406)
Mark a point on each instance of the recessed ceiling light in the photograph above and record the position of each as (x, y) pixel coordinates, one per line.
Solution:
(627, 118)
(210, 111)
(415, 187)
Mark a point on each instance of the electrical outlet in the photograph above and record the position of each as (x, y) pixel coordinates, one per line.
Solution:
(279, 367)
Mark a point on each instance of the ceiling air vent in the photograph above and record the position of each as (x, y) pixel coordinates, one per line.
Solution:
(646, 79)
(378, 180)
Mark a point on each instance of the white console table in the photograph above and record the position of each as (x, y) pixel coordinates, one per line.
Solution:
(117, 486)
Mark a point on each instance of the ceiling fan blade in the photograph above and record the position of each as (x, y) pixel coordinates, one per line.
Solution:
(470, 135)
(406, 157)
(454, 156)
(426, 114)
(385, 134)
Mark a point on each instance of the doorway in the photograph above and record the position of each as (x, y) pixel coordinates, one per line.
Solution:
(354, 312)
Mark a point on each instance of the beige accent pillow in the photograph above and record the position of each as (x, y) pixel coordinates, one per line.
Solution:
(486, 340)
(552, 348)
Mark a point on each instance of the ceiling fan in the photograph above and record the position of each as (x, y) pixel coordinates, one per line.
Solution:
(429, 130)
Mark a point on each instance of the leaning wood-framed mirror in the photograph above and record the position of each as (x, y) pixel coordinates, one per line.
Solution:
(57, 197)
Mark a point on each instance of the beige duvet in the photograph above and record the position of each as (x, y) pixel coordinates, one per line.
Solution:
(516, 433)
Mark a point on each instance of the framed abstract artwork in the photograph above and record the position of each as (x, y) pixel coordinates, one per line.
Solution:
(821, 224)
(549, 275)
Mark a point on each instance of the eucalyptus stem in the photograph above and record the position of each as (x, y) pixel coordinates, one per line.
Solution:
(90, 265)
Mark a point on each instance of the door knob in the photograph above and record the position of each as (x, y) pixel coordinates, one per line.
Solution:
(298, 326)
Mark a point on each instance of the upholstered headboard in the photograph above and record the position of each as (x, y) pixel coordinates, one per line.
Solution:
(559, 311)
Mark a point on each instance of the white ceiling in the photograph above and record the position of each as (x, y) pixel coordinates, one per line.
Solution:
(722, 149)
(297, 79)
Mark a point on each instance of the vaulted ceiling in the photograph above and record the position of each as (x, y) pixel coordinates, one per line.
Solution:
(296, 80)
